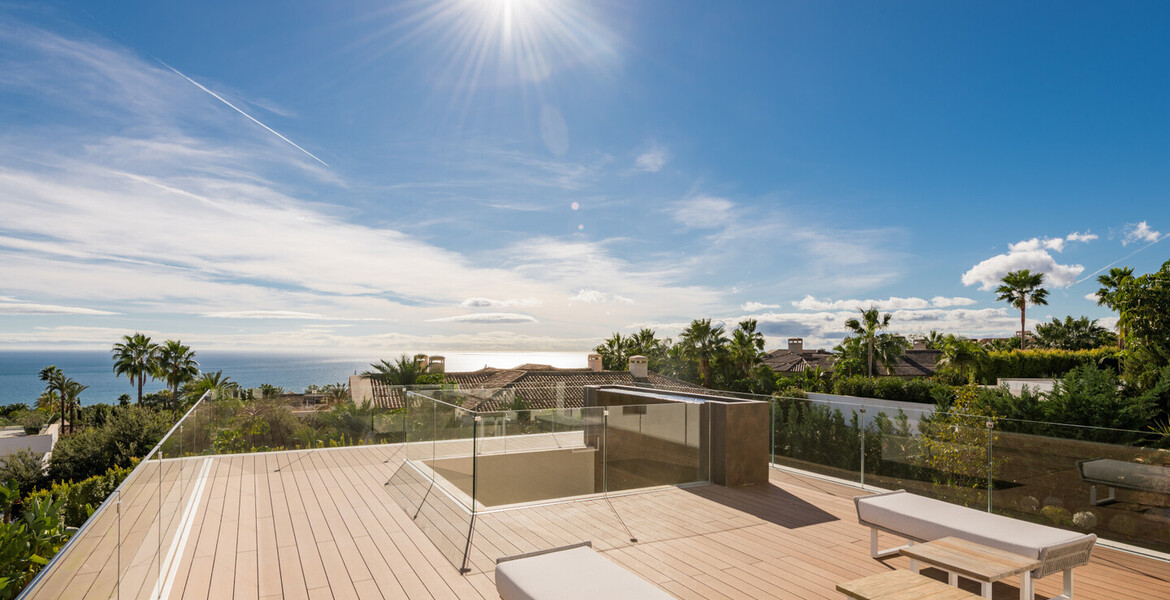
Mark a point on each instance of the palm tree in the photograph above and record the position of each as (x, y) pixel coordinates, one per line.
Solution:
(935, 340)
(867, 329)
(962, 355)
(614, 351)
(1109, 295)
(55, 386)
(746, 346)
(216, 383)
(71, 399)
(176, 365)
(336, 392)
(403, 371)
(135, 357)
(1018, 289)
(702, 341)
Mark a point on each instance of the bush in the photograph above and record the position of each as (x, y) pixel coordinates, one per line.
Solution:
(82, 496)
(923, 391)
(1058, 515)
(130, 432)
(28, 543)
(1043, 363)
(22, 470)
(1090, 396)
(32, 421)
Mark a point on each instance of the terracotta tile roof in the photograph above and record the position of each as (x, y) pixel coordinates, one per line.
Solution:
(917, 363)
(540, 386)
(786, 361)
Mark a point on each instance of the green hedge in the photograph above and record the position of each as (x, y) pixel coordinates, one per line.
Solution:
(79, 494)
(1043, 363)
(923, 391)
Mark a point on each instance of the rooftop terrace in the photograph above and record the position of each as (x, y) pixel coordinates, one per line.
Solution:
(331, 523)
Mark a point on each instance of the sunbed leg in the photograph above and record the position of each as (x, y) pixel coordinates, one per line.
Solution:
(879, 554)
(1026, 586)
(1068, 584)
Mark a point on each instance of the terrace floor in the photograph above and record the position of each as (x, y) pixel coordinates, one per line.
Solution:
(321, 524)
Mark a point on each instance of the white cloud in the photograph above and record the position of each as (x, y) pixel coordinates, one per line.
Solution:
(652, 160)
(1140, 232)
(703, 212)
(1030, 254)
(10, 307)
(477, 302)
(487, 318)
(598, 297)
(944, 302)
(1092, 297)
(265, 314)
(757, 306)
(892, 303)
(1077, 236)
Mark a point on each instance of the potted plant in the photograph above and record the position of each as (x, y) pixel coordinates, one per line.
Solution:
(32, 421)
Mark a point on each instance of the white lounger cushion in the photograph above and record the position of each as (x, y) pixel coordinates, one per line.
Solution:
(575, 574)
(926, 519)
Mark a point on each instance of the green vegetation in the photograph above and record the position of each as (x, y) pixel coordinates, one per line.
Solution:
(1073, 334)
(28, 542)
(81, 498)
(129, 432)
(884, 347)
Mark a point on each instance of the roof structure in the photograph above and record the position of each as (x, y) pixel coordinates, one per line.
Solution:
(787, 361)
(539, 386)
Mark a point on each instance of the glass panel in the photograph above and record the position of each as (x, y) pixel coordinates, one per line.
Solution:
(1113, 483)
(647, 445)
(819, 437)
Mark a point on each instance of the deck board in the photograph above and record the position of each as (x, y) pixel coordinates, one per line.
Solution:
(322, 524)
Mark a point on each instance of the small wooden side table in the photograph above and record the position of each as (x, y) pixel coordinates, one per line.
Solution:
(986, 565)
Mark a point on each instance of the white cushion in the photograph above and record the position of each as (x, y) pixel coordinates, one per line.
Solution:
(927, 519)
(575, 574)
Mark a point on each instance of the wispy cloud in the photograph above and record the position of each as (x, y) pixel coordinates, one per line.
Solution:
(490, 303)
(11, 306)
(598, 297)
(811, 303)
(1140, 232)
(487, 318)
(1076, 236)
(265, 314)
(702, 212)
(652, 160)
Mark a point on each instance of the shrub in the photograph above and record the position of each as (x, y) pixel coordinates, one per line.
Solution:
(130, 432)
(1085, 520)
(32, 421)
(23, 470)
(1043, 363)
(923, 391)
(80, 497)
(1058, 515)
(28, 543)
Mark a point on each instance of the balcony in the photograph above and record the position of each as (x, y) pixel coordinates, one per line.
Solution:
(395, 507)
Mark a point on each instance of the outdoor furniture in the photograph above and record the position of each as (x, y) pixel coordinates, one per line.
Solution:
(1122, 474)
(921, 519)
(573, 572)
(974, 561)
(901, 585)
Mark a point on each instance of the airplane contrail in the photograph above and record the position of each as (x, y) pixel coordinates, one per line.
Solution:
(1121, 259)
(250, 117)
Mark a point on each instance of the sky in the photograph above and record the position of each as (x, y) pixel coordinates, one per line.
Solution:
(494, 175)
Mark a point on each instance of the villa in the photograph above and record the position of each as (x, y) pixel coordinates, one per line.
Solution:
(683, 490)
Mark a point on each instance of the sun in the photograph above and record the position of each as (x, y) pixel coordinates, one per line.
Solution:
(487, 43)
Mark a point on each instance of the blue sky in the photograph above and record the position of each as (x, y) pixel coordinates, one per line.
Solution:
(350, 177)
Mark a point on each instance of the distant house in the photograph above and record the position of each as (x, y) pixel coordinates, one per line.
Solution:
(795, 359)
(917, 361)
(538, 386)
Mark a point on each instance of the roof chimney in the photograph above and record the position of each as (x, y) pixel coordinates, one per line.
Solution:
(639, 366)
(595, 362)
(920, 344)
(437, 364)
(796, 345)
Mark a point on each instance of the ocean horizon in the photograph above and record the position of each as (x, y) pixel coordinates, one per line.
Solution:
(19, 369)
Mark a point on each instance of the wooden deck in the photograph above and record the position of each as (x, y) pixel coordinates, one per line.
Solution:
(322, 524)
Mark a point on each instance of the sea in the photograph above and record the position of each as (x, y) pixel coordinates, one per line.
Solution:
(19, 369)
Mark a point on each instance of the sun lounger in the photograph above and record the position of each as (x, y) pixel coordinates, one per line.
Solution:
(1122, 474)
(921, 519)
(574, 572)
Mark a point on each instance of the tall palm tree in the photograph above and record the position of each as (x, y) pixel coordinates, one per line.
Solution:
(868, 329)
(176, 365)
(935, 340)
(614, 351)
(55, 386)
(71, 399)
(1109, 295)
(1018, 289)
(746, 346)
(702, 341)
(135, 357)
